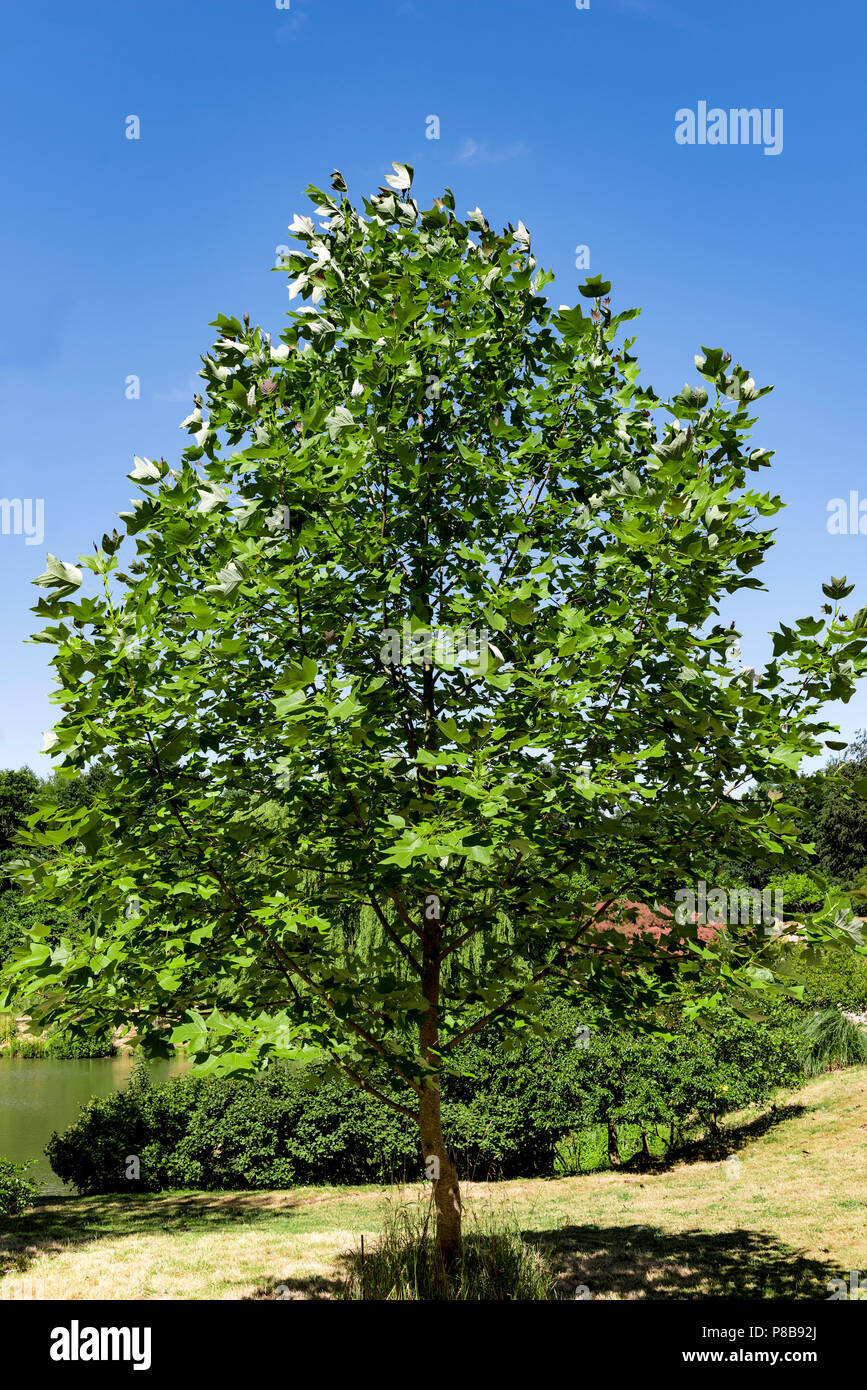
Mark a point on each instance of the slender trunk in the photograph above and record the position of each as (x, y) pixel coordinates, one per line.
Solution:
(446, 1189)
(613, 1146)
(438, 1162)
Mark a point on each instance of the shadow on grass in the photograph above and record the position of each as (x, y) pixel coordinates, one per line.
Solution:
(55, 1223)
(312, 1286)
(710, 1148)
(641, 1261)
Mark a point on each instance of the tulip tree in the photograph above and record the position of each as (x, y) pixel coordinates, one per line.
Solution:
(427, 627)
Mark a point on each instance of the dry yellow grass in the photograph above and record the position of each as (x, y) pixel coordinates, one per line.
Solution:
(779, 1217)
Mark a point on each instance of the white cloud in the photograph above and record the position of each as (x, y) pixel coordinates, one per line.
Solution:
(481, 152)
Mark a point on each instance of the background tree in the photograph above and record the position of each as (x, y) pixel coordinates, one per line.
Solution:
(18, 788)
(21, 795)
(841, 831)
(430, 448)
(833, 820)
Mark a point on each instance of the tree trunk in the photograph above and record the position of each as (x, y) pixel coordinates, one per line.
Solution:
(613, 1146)
(446, 1189)
(438, 1162)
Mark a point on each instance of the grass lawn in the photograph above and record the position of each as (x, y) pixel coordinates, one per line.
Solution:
(777, 1212)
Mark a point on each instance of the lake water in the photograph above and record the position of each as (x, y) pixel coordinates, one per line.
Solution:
(40, 1094)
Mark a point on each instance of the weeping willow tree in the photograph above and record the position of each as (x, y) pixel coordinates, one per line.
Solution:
(438, 576)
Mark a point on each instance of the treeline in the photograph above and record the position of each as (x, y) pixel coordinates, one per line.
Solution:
(831, 819)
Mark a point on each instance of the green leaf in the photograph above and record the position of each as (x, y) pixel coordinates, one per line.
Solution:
(144, 471)
(401, 179)
(595, 287)
(838, 588)
(229, 578)
(60, 576)
(339, 419)
(211, 496)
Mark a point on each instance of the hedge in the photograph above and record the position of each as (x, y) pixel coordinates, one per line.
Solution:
(507, 1112)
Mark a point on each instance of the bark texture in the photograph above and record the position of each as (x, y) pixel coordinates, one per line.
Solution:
(446, 1189)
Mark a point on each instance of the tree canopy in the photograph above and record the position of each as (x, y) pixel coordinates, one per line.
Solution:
(424, 629)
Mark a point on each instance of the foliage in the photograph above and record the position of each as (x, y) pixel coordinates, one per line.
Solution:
(836, 979)
(78, 1042)
(697, 1075)
(17, 1192)
(24, 1046)
(508, 1111)
(799, 893)
(831, 1040)
(841, 830)
(271, 1130)
(832, 816)
(405, 1264)
(12, 937)
(431, 450)
(18, 788)
(67, 1043)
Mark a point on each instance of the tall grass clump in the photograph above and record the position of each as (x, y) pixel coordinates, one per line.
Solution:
(830, 1041)
(404, 1265)
(20, 1045)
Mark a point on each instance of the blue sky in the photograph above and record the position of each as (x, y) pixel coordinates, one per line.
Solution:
(117, 252)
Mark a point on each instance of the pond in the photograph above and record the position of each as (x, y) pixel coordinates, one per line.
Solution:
(41, 1094)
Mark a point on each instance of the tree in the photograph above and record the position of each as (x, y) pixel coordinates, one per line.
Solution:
(841, 834)
(833, 817)
(424, 625)
(18, 788)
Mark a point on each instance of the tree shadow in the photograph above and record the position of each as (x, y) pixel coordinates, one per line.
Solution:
(55, 1223)
(642, 1261)
(728, 1141)
(312, 1286)
(710, 1147)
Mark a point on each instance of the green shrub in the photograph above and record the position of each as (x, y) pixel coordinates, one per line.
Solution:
(405, 1265)
(508, 1110)
(837, 981)
(19, 913)
(798, 892)
(24, 1046)
(832, 1041)
(509, 1106)
(268, 1130)
(858, 881)
(658, 1084)
(17, 1193)
(72, 1043)
(63, 1043)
